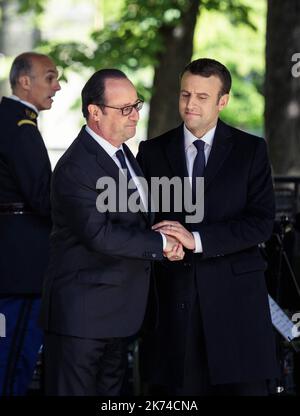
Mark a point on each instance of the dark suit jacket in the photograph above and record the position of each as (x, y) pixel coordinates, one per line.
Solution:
(229, 274)
(98, 276)
(25, 174)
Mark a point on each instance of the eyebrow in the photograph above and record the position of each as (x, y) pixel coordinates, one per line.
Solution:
(197, 93)
(128, 104)
(52, 71)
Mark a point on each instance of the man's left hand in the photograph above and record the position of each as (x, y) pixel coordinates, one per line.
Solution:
(175, 229)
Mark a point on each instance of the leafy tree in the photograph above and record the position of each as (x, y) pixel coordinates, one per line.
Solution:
(282, 112)
(242, 50)
(149, 34)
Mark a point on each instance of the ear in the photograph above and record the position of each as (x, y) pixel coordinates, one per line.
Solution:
(223, 101)
(94, 112)
(25, 82)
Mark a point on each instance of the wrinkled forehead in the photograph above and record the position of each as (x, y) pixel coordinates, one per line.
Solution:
(200, 84)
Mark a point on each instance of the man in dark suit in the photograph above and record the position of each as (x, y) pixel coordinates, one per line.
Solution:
(213, 333)
(24, 216)
(96, 286)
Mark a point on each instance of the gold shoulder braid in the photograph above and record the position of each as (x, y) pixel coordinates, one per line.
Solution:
(26, 121)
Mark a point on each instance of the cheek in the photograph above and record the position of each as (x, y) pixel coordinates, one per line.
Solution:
(181, 106)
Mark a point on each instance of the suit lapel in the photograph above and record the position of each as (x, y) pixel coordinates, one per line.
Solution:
(103, 159)
(106, 162)
(175, 153)
(138, 171)
(221, 148)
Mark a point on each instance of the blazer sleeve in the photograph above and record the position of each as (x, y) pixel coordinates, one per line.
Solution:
(255, 224)
(30, 166)
(75, 195)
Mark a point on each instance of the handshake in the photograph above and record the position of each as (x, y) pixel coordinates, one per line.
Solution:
(178, 237)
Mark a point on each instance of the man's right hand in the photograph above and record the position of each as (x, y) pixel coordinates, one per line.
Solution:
(174, 249)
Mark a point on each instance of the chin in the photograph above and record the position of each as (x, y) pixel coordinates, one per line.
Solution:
(45, 107)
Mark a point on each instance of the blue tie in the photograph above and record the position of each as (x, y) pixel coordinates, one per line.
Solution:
(121, 157)
(199, 164)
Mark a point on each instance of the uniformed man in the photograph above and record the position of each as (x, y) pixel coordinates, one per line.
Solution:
(25, 223)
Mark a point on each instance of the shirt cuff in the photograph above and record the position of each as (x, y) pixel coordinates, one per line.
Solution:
(164, 238)
(198, 242)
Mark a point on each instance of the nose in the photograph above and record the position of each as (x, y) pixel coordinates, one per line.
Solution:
(57, 86)
(190, 102)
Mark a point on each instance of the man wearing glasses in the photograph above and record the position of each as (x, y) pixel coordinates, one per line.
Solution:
(97, 282)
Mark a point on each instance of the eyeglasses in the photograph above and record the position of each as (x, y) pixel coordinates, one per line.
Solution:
(128, 108)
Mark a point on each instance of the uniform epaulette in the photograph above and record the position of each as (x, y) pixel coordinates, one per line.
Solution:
(26, 121)
(30, 114)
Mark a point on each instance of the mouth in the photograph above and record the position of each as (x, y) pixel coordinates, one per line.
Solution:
(191, 114)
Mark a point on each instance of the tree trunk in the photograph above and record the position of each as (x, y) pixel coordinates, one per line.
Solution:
(178, 49)
(282, 86)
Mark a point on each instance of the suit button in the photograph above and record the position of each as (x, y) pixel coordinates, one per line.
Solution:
(187, 264)
(153, 255)
(180, 305)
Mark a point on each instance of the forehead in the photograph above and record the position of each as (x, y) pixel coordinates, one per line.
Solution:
(43, 65)
(198, 84)
(120, 91)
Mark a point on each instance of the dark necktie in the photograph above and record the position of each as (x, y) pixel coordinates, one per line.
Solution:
(199, 164)
(120, 155)
(122, 160)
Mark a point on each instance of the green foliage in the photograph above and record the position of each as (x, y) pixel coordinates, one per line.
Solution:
(243, 51)
(134, 41)
(246, 105)
(37, 6)
(237, 11)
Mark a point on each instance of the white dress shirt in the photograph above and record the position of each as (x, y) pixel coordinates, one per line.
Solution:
(190, 154)
(111, 151)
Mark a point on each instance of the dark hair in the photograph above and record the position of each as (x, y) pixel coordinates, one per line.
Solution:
(22, 65)
(207, 67)
(94, 90)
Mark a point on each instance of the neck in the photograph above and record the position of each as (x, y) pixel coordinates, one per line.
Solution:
(200, 133)
(95, 127)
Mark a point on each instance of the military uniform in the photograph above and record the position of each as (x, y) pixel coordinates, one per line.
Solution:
(25, 225)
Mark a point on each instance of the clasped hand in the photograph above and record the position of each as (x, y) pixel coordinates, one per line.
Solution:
(177, 237)
(174, 250)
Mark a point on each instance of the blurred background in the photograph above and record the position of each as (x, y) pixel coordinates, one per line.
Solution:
(152, 41)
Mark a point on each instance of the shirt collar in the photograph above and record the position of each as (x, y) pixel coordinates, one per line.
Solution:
(16, 98)
(108, 147)
(189, 138)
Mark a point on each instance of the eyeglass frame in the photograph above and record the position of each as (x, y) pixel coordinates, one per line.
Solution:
(133, 106)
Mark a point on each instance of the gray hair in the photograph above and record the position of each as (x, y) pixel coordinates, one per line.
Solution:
(22, 65)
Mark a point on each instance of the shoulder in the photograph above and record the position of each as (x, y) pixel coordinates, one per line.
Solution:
(235, 132)
(75, 159)
(162, 140)
(241, 138)
(17, 117)
(70, 156)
